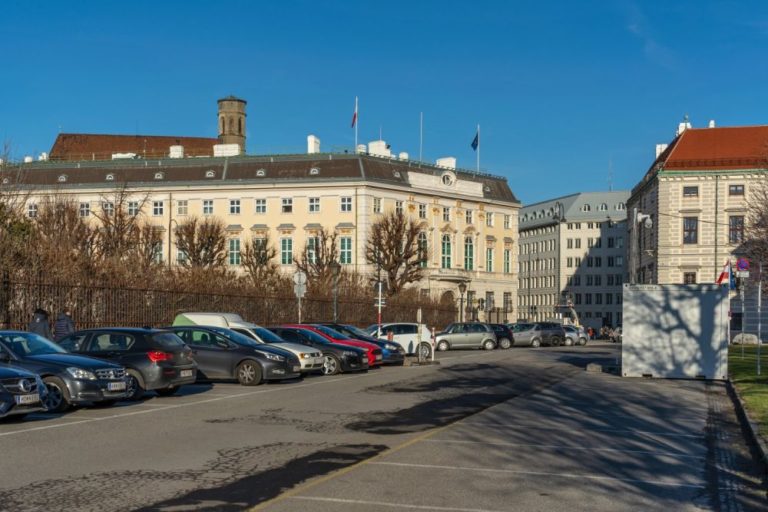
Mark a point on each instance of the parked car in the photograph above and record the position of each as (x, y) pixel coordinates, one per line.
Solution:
(21, 392)
(538, 334)
(575, 335)
(155, 360)
(311, 360)
(405, 334)
(69, 378)
(375, 356)
(466, 335)
(336, 358)
(391, 353)
(504, 335)
(222, 353)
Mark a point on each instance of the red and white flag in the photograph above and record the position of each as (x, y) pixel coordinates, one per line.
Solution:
(725, 274)
(354, 116)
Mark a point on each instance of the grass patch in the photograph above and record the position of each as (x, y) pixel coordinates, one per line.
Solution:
(752, 388)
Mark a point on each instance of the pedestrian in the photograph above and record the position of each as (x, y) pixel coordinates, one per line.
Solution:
(64, 325)
(40, 325)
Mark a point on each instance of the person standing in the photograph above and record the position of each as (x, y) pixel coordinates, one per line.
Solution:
(40, 325)
(64, 326)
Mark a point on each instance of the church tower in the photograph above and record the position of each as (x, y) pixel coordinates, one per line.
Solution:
(232, 121)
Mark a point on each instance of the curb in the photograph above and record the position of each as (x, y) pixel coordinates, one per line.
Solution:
(747, 422)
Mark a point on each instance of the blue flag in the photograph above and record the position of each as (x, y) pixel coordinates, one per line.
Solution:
(476, 141)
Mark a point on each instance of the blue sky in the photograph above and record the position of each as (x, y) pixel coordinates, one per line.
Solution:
(563, 91)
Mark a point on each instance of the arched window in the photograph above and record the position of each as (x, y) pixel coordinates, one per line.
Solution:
(221, 132)
(240, 126)
(446, 259)
(422, 245)
(603, 207)
(586, 208)
(469, 253)
(231, 125)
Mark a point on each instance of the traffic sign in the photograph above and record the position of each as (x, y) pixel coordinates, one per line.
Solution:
(742, 273)
(742, 264)
(299, 290)
(300, 278)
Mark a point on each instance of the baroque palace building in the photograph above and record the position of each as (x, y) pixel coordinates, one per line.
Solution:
(468, 219)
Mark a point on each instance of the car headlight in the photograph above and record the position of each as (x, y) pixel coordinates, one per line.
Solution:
(305, 355)
(79, 373)
(274, 357)
(390, 346)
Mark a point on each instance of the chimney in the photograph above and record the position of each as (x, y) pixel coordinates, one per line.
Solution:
(313, 144)
(379, 148)
(448, 161)
(660, 148)
(361, 149)
(176, 152)
(403, 155)
(28, 159)
(711, 123)
(681, 127)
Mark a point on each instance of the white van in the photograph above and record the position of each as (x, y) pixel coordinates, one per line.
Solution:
(311, 359)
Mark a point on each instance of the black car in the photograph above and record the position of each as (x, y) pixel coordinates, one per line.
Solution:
(70, 379)
(392, 353)
(155, 360)
(21, 392)
(222, 353)
(337, 358)
(504, 336)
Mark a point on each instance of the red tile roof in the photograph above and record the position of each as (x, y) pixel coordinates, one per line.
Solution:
(83, 146)
(738, 147)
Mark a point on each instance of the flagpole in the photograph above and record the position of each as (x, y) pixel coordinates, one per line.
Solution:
(478, 148)
(421, 134)
(357, 121)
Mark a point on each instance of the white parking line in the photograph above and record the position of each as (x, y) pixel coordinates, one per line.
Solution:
(535, 426)
(391, 505)
(568, 448)
(177, 406)
(542, 473)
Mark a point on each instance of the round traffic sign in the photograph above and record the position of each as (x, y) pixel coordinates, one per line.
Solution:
(742, 264)
(299, 278)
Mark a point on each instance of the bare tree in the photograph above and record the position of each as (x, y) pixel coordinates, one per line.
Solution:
(119, 221)
(756, 230)
(146, 245)
(64, 241)
(259, 261)
(394, 247)
(316, 257)
(203, 243)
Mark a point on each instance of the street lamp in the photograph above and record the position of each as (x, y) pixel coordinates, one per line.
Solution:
(335, 271)
(462, 289)
(639, 219)
(560, 218)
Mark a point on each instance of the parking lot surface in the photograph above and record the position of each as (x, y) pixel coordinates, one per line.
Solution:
(483, 431)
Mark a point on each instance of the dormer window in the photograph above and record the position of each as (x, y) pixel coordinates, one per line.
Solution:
(487, 188)
(62, 178)
(110, 177)
(621, 206)
(210, 174)
(159, 175)
(603, 207)
(261, 173)
(314, 171)
(6, 181)
(396, 174)
(586, 208)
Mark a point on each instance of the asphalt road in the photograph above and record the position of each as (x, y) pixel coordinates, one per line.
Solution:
(493, 431)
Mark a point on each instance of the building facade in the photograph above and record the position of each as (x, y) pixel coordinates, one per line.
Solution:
(572, 255)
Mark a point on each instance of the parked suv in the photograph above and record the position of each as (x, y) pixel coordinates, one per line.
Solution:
(466, 335)
(537, 334)
(504, 335)
(20, 392)
(405, 334)
(155, 360)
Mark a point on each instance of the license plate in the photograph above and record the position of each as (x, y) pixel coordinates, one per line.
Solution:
(116, 386)
(186, 373)
(27, 399)
(296, 368)
(365, 359)
(378, 358)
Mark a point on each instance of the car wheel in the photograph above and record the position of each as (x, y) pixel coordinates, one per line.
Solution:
(425, 351)
(135, 385)
(536, 342)
(170, 390)
(582, 341)
(556, 341)
(568, 342)
(331, 365)
(249, 373)
(504, 343)
(57, 399)
(489, 345)
(442, 346)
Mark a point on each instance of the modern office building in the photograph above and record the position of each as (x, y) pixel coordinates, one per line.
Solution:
(572, 253)
(468, 220)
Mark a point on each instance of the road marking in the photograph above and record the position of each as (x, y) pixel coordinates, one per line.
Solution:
(535, 426)
(566, 447)
(542, 473)
(173, 406)
(392, 505)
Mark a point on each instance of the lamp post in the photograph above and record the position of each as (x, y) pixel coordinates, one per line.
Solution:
(462, 289)
(560, 218)
(638, 219)
(335, 271)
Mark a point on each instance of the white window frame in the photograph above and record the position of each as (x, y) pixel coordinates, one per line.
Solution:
(261, 206)
(207, 207)
(346, 204)
(345, 250)
(233, 253)
(182, 207)
(85, 209)
(489, 219)
(314, 205)
(133, 208)
(376, 205)
(158, 208)
(234, 207)
(286, 249)
(286, 205)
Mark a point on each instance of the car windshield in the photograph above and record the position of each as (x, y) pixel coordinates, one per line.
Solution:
(236, 337)
(28, 344)
(168, 340)
(356, 331)
(522, 327)
(313, 336)
(267, 336)
(372, 329)
(331, 333)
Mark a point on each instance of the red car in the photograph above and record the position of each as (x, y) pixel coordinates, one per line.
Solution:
(374, 352)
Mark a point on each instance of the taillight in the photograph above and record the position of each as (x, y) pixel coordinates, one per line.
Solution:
(156, 356)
